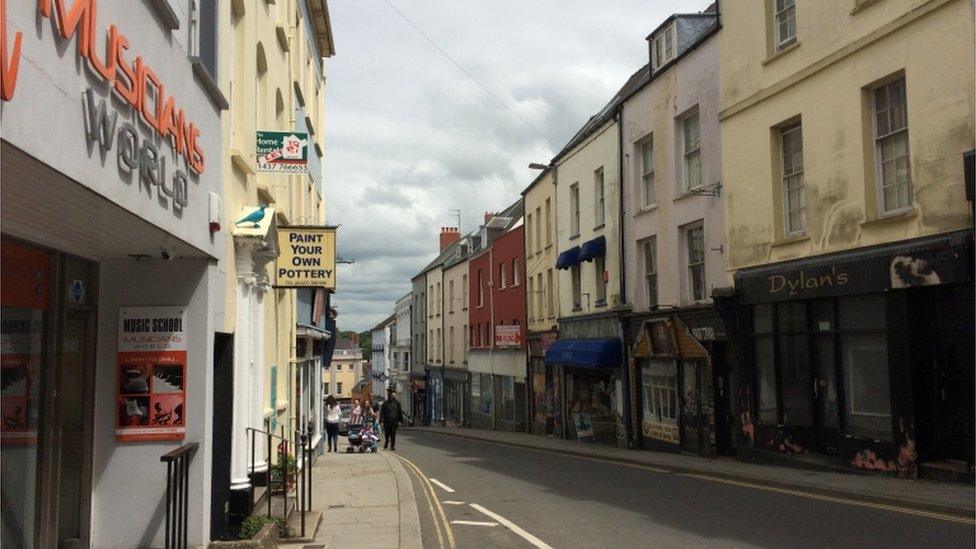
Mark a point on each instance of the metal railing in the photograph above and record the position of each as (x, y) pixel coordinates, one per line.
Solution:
(177, 493)
(302, 443)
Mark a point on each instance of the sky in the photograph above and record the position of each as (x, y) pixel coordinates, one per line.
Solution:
(410, 136)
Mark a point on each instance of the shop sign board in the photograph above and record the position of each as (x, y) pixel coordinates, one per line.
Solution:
(282, 152)
(666, 432)
(583, 425)
(508, 335)
(151, 374)
(306, 257)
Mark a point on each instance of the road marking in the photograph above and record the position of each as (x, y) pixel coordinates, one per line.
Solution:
(513, 527)
(451, 502)
(431, 495)
(834, 499)
(474, 523)
(443, 486)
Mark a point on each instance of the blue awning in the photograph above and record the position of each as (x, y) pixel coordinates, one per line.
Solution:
(593, 248)
(568, 258)
(586, 353)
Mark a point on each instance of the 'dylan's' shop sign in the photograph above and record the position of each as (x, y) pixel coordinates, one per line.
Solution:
(282, 152)
(306, 257)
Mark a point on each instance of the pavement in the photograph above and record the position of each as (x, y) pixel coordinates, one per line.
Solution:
(511, 494)
(921, 495)
(366, 501)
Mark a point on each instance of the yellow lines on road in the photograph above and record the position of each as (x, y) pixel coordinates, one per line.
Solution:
(836, 499)
(434, 505)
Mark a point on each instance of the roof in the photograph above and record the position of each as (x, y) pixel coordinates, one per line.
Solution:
(441, 258)
(635, 82)
(710, 11)
(384, 323)
(322, 26)
(346, 343)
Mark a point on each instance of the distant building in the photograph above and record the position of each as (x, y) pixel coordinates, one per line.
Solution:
(345, 371)
(382, 347)
(400, 354)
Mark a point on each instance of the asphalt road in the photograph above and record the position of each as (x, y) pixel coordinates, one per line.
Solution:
(512, 497)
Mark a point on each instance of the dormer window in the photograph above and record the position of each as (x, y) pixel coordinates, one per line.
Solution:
(663, 47)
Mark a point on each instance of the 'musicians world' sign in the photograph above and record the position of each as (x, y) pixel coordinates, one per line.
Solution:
(306, 258)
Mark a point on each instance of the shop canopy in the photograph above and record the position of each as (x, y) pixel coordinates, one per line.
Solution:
(593, 248)
(568, 258)
(586, 353)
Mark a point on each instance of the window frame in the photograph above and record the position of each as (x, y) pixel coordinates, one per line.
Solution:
(659, 46)
(650, 243)
(600, 283)
(574, 273)
(691, 265)
(599, 197)
(879, 141)
(788, 228)
(688, 153)
(548, 222)
(550, 294)
(646, 172)
(574, 210)
(516, 274)
(779, 42)
(502, 276)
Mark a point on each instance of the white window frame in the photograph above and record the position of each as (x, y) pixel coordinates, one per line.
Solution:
(481, 288)
(791, 178)
(660, 46)
(648, 191)
(530, 300)
(574, 273)
(691, 151)
(692, 263)
(502, 276)
(600, 284)
(784, 15)
(548, 222)
(550, 306)
(528, 234)
(450, 291)
(649, 252)
(516, 279)
(538, 230)
(574, 209)
(890, 136)
(599, 197)
(661, 393)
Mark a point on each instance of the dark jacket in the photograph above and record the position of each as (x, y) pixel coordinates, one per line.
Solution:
(391, 413)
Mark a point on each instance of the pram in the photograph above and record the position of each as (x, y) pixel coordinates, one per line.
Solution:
(362, 437)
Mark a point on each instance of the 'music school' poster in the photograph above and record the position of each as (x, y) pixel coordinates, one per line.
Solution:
(151, 382)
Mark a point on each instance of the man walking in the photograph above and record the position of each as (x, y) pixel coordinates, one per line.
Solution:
(391, 414)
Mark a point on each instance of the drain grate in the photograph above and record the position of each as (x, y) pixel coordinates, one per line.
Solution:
(340, 506)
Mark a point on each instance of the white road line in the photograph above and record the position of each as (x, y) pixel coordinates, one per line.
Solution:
(513, 527)
(474, 523)
(445, 487)
(450, 502)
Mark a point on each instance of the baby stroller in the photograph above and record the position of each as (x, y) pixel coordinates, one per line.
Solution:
(362, 437)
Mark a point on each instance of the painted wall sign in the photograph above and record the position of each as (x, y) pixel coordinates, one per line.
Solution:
(665, 432)
(306, 257)
(135, 82)
(282, 152)
(151, 381)
(508, 335)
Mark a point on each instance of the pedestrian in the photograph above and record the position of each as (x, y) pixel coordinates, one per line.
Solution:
(391, 415)
(332, 423)
(356, 414)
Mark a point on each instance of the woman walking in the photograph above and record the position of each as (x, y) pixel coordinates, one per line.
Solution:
(332, 423)
(356, 414)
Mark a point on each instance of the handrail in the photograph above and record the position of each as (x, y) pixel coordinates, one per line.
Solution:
(268, 433)
(177, 493)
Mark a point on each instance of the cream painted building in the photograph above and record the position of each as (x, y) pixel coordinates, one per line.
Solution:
(344, 372)
(844, 126)
(456, 299)
(541, 294)
(272, 72)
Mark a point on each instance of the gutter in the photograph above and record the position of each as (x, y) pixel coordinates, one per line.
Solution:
(622, 263)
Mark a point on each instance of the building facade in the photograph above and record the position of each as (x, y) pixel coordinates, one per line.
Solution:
(108, 201)
(341, 375)
(455, 335)
(673, 238)
(418, 349)
(542, 305)
(381, 354)
(401, 359)
(849, 233)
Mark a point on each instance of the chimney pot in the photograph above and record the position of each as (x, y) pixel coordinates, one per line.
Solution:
(449, 235)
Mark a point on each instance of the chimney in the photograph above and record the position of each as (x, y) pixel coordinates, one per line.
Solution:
(488, 216)
(449, 235)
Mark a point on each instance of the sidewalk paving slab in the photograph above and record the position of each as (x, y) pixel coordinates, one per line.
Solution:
(923, 495)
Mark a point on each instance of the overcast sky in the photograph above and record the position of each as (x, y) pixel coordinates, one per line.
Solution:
(410, 137)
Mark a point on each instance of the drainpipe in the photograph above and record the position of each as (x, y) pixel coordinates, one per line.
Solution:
(626, 385)
(491, 331)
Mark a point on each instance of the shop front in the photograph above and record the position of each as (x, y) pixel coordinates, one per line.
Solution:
(498, 395)
(418, 399)
(435, 396)
(543, 385)
(110, 246)
(455, 397)
(862, 359)
(587, 377)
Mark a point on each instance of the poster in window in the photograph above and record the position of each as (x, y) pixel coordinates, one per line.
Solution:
(151, 376)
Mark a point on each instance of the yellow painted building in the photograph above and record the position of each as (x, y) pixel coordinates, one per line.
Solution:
(271, 70)
(848, 229)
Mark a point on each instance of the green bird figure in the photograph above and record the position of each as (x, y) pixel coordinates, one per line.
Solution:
(254, 217)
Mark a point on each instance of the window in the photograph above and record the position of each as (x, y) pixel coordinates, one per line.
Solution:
(450, 342)
(440, 299)
(430, 304)
(692, 151)
(481, 288)
(649, 248)
(647, 172)
(338, 367)
(662, 50)
(784, 21)
(660, 386)
(528, 234)
(600, 280)
(502, 276)
(464, 292)
(599, 197)
(550, 309)
(539, 295)
(891, 147)
(516, 273)
(577, 289)
(695, 236)
(339, 387)
(530, 298)
(538, 230)
(794, 203)
(574, 209)
(548, 222)
(204, 34)
(450, 296)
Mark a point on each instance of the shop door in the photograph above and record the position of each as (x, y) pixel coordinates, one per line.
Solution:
(694, 423)
(824, 359)
(74, 431)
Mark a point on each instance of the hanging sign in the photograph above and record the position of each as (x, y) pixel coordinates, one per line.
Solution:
(282, 152)
(151, 382)
(508, 335)
(306, 257)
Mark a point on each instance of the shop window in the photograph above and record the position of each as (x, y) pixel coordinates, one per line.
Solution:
(660, 392)
(794, 364)
(868, 403)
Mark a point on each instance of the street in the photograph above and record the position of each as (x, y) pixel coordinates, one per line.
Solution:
(566, 501)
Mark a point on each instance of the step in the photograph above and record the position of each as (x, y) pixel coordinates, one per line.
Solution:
(313, 519)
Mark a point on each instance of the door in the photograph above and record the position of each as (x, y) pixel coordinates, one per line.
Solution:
(223, 399)
(825, 366)
(724, 421)
(691, 407)
(74, 429)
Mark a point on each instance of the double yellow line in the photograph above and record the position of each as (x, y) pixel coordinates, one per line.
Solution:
(445, 539)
